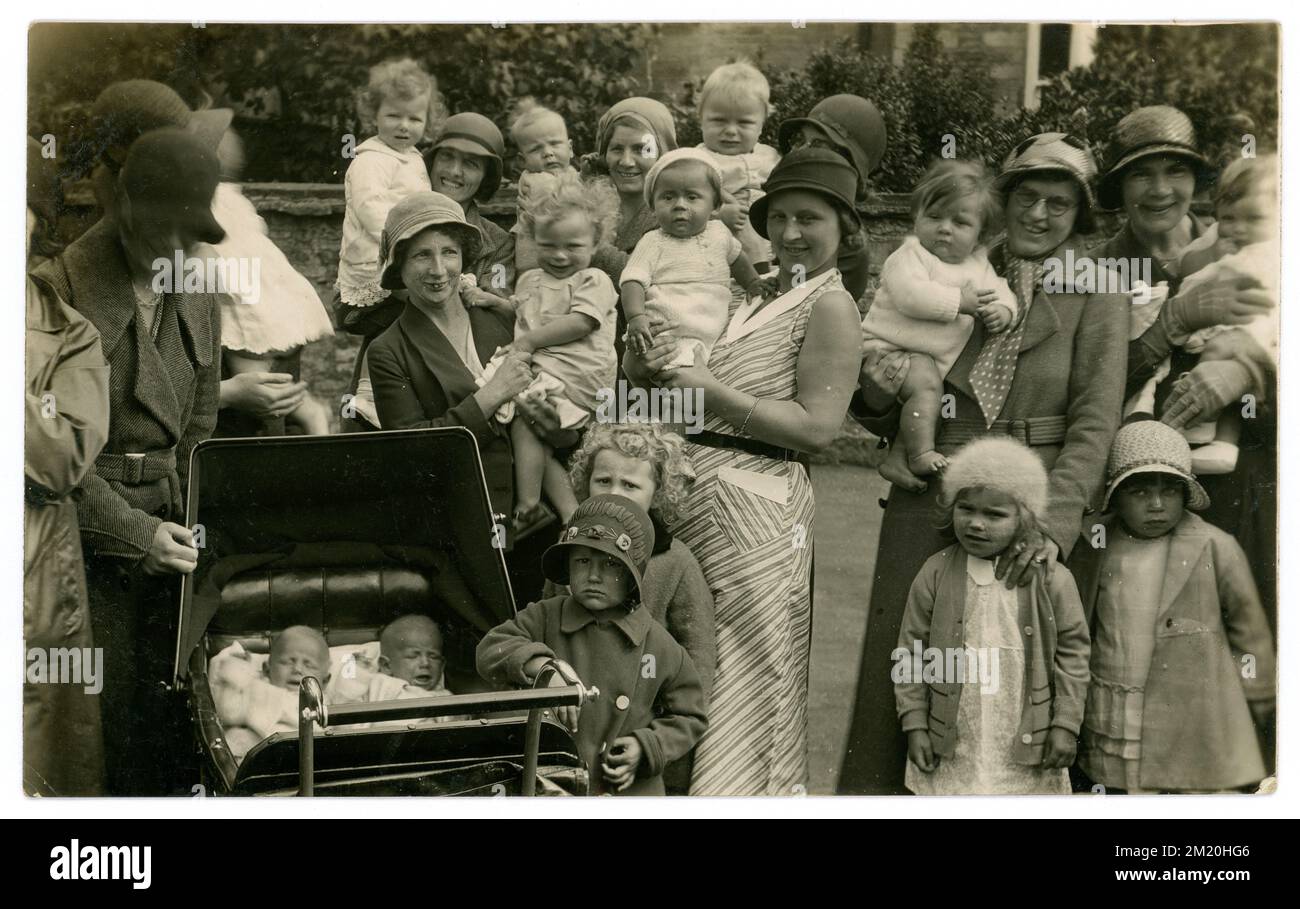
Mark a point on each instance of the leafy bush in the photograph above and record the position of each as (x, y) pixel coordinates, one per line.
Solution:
(309, 75)
(934, 93)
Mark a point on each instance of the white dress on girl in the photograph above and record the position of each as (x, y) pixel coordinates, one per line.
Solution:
(377, 179)
(687, 280)
(268, 306)
(983, 762)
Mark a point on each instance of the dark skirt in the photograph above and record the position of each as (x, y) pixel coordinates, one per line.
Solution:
(876, 753)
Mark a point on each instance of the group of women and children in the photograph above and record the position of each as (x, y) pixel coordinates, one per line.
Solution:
(1082, 474)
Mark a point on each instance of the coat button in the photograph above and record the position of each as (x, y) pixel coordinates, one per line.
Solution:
(1169, 623)
(622, 702)
(1026, 738)
(1029, 629)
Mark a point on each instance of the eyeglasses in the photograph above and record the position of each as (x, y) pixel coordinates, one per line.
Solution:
(1027, 199)
(799, 140)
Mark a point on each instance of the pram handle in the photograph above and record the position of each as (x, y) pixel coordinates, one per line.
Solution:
(454, 704)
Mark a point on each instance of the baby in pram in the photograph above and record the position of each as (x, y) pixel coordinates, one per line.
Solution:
(253, 703)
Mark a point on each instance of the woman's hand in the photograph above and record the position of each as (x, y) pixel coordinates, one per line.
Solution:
(1232, 298)
(1206, 390)
(1061, 747)
(512, 377)
(882, 375)
(544, 420)
(1032, 552)
(921, 751)
(262, 394)
(697, 376)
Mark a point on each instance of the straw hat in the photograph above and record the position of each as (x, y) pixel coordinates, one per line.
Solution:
(412, 215)
(1000, 463)
(1047, 152)
(1149, 446)
(1147, 131)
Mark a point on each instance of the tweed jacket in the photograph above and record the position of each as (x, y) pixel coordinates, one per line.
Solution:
(420, 382)
(163, 392)
(1055, 637)
(1071, 368)
(1213, 653)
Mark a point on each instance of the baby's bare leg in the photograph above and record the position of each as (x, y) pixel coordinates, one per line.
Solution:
(921, 393)
(530, 465)
(555, 481)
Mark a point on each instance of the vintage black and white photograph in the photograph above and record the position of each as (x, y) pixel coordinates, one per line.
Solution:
(736, 408)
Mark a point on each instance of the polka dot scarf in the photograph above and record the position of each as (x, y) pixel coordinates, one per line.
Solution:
(995, 366)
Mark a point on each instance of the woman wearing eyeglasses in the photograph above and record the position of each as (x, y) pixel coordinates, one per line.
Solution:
(1054, 381)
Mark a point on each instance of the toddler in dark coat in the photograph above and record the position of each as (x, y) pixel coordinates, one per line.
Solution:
(651, 708)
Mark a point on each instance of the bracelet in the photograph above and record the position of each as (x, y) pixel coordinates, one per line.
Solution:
(752, 408)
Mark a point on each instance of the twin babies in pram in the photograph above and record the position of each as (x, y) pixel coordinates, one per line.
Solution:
(255, 699)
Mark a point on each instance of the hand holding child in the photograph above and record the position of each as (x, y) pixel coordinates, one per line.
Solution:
(622, 759)
(920, 750)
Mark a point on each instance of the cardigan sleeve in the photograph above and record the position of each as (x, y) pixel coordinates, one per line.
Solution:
(680, 720)
(1244, 621)
(1096, 388)
(690, 619)
(911, 289)
(911, 695)
(369, 190)
(507, 648)
(400, 408)
(1071, 672)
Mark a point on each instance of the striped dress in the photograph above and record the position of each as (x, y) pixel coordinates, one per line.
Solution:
(750, 527)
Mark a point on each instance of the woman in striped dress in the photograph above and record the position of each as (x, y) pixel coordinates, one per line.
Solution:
(776, 385)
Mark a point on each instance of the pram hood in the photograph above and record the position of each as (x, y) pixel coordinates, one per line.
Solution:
(414, 498)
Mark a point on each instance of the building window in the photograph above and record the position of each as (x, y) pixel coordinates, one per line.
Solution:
(1050, 50)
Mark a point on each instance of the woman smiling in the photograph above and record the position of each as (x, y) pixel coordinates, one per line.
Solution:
(776, 385)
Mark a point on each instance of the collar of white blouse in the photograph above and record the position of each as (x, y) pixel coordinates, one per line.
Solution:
(742, 325)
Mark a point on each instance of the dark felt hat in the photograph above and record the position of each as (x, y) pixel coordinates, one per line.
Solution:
(169, 176)
(818, 170)
(474, 134)
(1148, 131)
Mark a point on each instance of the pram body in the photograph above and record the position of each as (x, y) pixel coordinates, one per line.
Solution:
(346, 533)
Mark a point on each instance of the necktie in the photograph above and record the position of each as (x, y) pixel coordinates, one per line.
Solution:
(995, 367)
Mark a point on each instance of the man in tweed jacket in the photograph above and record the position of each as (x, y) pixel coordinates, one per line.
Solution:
(164, 354)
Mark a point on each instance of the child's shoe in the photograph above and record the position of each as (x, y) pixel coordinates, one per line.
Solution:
(1214, 458)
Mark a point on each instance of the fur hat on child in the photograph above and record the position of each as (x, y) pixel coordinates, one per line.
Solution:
(1000, 463)
(676, 156)
(1149, 446)
(611, 524)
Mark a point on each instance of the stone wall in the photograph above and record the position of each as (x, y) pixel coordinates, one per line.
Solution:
(305, 221)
